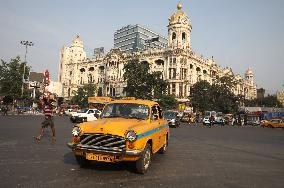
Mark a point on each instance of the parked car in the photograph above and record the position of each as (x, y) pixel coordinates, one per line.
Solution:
(219, 121)
(69, 111)
(273, 123)
(206, 121)
(172, 118)
(188, 118)
(128, 130)
(85, 115)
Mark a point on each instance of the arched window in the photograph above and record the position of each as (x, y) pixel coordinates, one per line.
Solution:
(183, 36)
(82, 70)
(102, 69)
(174, 36)
(159, 62)
(90, 79)
(174, 61)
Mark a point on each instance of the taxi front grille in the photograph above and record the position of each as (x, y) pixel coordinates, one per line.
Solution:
(103, 141)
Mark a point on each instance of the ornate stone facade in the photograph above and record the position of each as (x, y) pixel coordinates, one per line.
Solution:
(179, 65)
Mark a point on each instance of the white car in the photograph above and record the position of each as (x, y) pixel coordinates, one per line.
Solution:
(69, 111)
(85, 115)
(206, 120)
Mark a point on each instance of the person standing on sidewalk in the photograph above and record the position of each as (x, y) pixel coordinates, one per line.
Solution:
(48, 121)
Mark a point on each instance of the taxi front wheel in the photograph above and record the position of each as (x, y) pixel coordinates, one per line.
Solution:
(142, 165)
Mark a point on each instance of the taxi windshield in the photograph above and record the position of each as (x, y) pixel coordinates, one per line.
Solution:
(125, 110)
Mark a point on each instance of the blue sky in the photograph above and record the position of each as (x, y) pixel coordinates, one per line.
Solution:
(238, 33)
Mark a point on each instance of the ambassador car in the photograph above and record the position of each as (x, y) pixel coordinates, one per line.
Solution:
(127, 130)
(172, 118)
(273, 123)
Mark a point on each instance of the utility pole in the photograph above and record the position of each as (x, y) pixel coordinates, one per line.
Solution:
(25, 43)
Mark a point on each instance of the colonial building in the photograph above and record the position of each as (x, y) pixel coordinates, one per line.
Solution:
(280, 97)
(179, 65)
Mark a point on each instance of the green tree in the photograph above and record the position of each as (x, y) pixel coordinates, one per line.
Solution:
(167, 101)
(227, 81)
(81, 95)
(268, 101)
(141, 83)
(201, 96)
(11, 78)
(217, 97)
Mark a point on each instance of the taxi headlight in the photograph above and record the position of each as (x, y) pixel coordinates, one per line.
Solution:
(76, 131)
(131, 136)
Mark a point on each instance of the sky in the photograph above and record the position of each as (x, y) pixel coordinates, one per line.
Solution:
(237, 33)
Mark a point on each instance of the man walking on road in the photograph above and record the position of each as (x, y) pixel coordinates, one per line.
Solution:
(48, 121)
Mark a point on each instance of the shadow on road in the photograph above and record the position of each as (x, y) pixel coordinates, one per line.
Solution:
(101, 166)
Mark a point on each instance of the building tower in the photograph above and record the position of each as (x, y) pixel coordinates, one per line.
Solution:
(249, 76)
(250, 91)
(179, 30)
(69, 57)
(77, 49)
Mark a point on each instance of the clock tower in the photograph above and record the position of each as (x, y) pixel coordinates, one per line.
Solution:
(179, 30)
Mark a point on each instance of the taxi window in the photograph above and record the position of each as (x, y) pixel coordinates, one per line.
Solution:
(155, 112)
(160, 112)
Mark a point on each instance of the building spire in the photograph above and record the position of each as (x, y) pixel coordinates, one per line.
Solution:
(179, 6)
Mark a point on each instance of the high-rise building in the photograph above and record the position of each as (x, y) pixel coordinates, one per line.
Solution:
(133, 38)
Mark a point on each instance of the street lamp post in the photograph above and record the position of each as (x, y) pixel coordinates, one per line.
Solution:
(25, 43)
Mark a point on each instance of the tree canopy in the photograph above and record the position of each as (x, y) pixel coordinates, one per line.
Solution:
(11, 78)
(141, 83)
(268, 101)
(217, 97)
(81, 95)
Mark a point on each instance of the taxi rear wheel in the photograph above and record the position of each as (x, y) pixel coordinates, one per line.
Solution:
(142, 165)
(82, 161)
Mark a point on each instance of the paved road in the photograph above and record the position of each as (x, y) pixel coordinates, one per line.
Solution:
(197, 157)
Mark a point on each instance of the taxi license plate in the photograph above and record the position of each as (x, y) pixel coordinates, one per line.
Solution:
(99, 157)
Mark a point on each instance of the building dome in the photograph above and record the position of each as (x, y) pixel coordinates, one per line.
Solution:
(77, 41)
(179, 16)
(249, 71)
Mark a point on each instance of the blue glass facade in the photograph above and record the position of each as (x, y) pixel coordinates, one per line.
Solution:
(132, 38)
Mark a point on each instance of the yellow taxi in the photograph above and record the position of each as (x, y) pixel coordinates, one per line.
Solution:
(127, 130)
(273, 123)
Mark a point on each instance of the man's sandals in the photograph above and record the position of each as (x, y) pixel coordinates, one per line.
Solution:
(37, 138)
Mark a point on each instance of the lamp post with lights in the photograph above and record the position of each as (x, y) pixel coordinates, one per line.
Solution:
(25, 43)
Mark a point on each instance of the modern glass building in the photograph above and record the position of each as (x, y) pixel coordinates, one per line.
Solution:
(132, 38)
